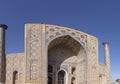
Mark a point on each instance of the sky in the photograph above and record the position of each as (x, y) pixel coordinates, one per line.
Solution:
(100, 18)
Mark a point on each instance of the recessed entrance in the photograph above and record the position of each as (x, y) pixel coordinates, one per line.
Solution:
(66, 55)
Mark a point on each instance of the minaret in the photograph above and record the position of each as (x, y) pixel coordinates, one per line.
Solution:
(3, 27)
(107, 60)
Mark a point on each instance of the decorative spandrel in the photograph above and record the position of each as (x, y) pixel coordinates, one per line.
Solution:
(53, 32)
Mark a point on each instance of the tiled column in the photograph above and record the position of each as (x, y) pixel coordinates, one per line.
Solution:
(3, 27)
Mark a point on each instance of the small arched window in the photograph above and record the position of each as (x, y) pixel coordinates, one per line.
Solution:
(61, 77)
(15, 77)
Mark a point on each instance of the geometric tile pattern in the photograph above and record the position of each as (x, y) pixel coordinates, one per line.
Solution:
(32, 52)
(15, 62)
(93, 58)
(53, 32)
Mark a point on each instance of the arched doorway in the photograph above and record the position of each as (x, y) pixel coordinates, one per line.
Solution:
(66, 53)
(61, 77)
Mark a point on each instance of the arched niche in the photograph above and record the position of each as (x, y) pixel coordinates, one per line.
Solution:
(15, 77)
(65, 52)
(61, 79)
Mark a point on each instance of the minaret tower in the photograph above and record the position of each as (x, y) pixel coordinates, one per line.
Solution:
(3, 27)
(107, 61)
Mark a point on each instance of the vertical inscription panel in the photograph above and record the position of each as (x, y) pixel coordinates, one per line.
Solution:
(93, 59)
(33, 52)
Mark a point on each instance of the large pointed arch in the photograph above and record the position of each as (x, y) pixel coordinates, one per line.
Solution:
(75, 54)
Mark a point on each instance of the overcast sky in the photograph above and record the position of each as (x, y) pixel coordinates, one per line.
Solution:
(100, 18)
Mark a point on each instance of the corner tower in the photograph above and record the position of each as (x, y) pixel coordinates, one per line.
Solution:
(3, 27)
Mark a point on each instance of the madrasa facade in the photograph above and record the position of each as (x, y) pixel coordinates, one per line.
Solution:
(54, 55)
